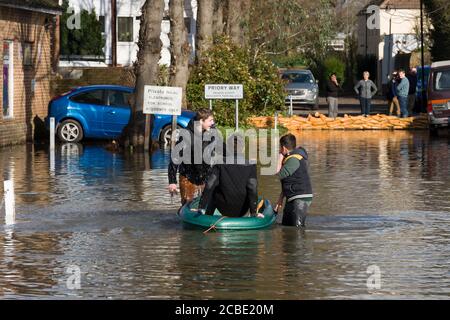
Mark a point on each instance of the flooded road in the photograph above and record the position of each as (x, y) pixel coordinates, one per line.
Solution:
(382, 202)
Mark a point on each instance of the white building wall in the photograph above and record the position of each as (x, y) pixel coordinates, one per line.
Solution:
(127, 51)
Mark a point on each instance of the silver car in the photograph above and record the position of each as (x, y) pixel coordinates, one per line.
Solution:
(301, 87)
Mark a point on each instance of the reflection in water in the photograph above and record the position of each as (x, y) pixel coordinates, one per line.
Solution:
(380, 199)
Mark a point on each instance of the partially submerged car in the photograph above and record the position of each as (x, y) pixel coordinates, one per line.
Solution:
(102, 112)
(301, 87)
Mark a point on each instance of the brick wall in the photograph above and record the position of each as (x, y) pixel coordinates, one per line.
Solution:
(29, 108)
(91, 76)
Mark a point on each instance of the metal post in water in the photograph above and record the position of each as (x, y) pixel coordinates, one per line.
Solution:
(237, 114)
(52, 145)
(10, 211)
(52, 133)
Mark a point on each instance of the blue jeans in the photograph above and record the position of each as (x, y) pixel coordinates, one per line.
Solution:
(403, 106)
(365, 105)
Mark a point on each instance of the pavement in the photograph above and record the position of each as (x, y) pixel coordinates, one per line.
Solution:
(347, 105)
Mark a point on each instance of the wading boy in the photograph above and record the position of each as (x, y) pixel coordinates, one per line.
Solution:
(295, 182)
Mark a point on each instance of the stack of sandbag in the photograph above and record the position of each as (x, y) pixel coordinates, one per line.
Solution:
(319, 121)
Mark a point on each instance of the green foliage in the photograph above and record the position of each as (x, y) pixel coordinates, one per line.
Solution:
(439, 13)
(87, 40)
(335, 65)
(227, 63)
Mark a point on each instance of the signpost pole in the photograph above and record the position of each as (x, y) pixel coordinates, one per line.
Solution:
(147, 133)
(237, 114)
(174, 129)
(210, 104)
(276, 120)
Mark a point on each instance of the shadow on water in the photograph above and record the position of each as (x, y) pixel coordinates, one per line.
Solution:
(380, 199)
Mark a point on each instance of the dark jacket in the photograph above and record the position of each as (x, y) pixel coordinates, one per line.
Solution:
(231, 188)
(412, 78)
(392, 89)
(296, 184)
(195, 173)
(332, 89)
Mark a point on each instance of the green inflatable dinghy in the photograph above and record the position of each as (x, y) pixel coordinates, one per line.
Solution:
(189, 214)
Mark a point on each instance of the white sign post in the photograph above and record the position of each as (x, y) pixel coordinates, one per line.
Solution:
(163, 100)
(225, 92)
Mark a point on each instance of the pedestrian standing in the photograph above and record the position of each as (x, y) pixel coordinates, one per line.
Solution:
(412, 78)
(402, 93)
(392, 94)
(333, 88)
(365, 89)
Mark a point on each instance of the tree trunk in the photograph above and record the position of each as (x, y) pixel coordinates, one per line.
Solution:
(238, 15)
(146, 67)
(205, 10)
(179, 71)
(218, 17)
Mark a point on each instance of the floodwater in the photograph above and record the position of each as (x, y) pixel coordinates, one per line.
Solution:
(381, 208)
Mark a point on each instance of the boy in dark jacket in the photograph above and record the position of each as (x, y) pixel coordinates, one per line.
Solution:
(295, 182)
(192, 175)
(232, 186)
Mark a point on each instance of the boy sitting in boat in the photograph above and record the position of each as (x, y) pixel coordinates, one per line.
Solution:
(295, 182)
(232, 186)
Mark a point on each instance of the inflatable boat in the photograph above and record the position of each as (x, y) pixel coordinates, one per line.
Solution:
(189, 214)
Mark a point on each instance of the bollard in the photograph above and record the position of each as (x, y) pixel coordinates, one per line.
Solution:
(291, 109)
(52, 133)
(10, 211)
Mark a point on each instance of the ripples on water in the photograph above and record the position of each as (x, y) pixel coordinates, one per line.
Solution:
(381, 198)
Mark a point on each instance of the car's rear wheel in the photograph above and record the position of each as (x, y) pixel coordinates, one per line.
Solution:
(166, 135)
(70, 131)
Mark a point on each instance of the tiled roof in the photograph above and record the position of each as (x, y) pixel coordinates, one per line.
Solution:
(50, 6)
(397, 4)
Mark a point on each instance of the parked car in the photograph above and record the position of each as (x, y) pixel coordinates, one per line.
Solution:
(438, 93)
(302, 87)
(102, 112)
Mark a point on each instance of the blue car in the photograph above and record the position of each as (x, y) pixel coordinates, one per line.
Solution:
(103, 111)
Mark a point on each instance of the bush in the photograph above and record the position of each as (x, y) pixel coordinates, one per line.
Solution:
(290, 61)
(229, 64)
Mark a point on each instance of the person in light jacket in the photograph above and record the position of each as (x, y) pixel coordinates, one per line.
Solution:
(365, 89)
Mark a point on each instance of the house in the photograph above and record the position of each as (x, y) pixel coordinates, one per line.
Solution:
(120, 20)
(388, 29)
(27, 53)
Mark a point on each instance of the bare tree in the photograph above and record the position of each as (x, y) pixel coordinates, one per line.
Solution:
(205, 10)
(146, 68)
(179, 73)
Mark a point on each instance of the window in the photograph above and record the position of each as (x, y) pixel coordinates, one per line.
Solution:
(442, 81)
(8, 79)
(297, 77)
(119, 98)
(27, 54)
(125, 29)
(101, 19)
(91, 97)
